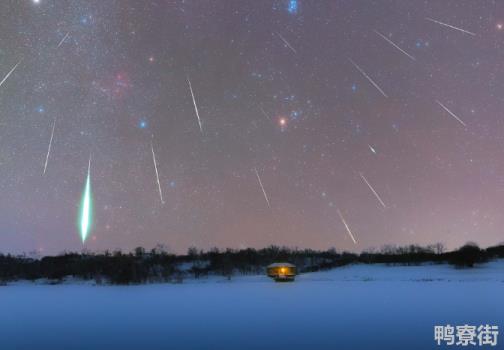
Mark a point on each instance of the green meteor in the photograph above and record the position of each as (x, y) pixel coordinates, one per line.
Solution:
(86, 209)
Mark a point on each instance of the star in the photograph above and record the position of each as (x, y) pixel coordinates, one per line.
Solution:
(309, 117)
(292, 7)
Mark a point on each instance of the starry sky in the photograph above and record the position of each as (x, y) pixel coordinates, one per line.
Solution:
(320, 121)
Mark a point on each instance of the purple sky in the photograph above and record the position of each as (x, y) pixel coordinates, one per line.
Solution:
(418, 113)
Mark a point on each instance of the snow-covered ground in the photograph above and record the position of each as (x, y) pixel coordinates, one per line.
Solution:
(353, 307)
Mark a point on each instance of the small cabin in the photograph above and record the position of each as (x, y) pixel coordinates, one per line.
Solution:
(282, 272)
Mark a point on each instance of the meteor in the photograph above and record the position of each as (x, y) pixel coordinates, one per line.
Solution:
(86, 212)
(395, 45)
(63, 40)
(157, 174)
(265, 114)
(372, 190)
(11, 71)
(195, 106)
(262, 188)
(49, 148)
(451, 113)
(286, 42)
(367, 77)
(346, 227)
(450, 26)
(372, 149)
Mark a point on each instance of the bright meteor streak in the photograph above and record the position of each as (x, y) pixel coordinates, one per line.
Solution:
(86, 207)
(157, 174)
(450, 26)
(195, 106)
(49, 148)
(451, 113)
(8, 74)
(346, 227)
(286, 42)
(367, 77)
(63, 40)
(372, 190)
(395, 45)
(262, 188)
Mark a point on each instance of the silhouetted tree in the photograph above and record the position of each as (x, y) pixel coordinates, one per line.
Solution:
(467, 255)
(157, 265)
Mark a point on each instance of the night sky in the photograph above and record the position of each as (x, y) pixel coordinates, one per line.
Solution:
(375, 110)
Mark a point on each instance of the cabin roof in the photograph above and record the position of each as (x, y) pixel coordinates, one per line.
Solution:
(280, 264)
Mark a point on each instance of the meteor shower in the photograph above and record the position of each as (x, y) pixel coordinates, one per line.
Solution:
(244, 174)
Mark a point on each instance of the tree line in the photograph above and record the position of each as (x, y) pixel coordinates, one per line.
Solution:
(157, 265)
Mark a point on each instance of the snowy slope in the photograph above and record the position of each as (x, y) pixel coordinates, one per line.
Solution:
(354, 307)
